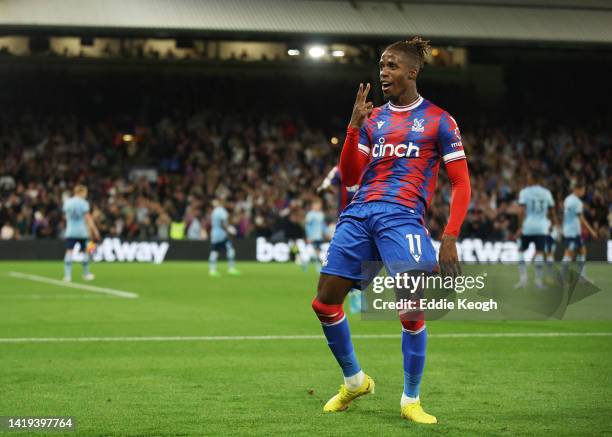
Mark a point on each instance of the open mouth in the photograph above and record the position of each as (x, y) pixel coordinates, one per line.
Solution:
(385, 85)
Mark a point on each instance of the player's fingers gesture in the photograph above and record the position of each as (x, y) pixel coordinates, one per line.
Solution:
(362, 108)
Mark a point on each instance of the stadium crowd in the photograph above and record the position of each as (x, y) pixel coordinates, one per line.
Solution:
(157, 180)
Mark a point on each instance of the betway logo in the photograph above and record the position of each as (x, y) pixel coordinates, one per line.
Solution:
(469, 250)
(279, 252)
(113, 250)
(400, 150)
(478, 251)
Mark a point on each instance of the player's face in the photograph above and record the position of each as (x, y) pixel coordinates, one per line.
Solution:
(396, 73)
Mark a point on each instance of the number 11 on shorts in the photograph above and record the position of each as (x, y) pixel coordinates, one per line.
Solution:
(412, 238)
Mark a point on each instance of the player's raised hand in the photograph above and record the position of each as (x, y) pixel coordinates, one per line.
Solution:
(361, 109)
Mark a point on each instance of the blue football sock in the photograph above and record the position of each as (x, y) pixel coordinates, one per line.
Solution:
(413, 348)
(339, 341)
(231, 257)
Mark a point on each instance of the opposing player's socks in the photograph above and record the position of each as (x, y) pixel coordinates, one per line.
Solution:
(336, 330)
(231, 259)
(67, 267)
(212, 262)
(86, 264)
(522, 268)
(538, 264)
(581, 260)
(565, 263)
(414, 344)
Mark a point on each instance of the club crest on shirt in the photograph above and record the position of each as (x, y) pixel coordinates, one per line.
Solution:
(418, 125)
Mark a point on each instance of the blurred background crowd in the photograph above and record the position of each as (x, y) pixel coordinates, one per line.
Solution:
(157, 179)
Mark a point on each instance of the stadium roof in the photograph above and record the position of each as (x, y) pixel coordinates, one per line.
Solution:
(552, 21)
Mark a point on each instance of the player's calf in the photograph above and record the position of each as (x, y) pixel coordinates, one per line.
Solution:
(336, 329)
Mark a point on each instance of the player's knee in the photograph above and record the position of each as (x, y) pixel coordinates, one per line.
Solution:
(327, 314)
(413, 322)
(413, 326)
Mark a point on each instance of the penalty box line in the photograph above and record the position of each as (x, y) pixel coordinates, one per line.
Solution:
(92, 288)
(299, 337)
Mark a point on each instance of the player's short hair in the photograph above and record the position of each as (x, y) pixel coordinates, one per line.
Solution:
(80, 189)
(416, 48)
(578, 184)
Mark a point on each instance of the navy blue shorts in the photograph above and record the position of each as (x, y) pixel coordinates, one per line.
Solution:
(375, 233)
(71, 242)
(538, 240)
(573, 243)
(221, 245)
(317, 244)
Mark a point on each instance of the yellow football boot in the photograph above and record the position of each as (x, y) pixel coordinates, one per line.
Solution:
(341, 401)
(415, 413)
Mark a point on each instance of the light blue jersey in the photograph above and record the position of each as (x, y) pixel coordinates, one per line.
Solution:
(537, 201)
(219, 218)
(315, 225)
(572, 208)
(75, 209)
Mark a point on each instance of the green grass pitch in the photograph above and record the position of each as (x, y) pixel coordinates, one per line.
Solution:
(556, 385)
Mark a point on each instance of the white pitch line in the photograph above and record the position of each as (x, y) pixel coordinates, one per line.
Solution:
(299, 337)
(93, 288)
(46, 296)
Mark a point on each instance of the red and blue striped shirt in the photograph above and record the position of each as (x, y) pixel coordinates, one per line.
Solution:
(405, 145)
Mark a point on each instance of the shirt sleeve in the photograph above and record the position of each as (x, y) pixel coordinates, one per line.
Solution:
(85, 207)
(578, 207)
(449, 139)
(522, 200)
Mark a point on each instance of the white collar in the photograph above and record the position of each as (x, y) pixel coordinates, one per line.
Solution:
(409, 107)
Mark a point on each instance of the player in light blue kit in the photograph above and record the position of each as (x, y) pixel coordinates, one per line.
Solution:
(573, 219)
(537, 207)
(220, 232)
(315, 232)
(79, 228)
